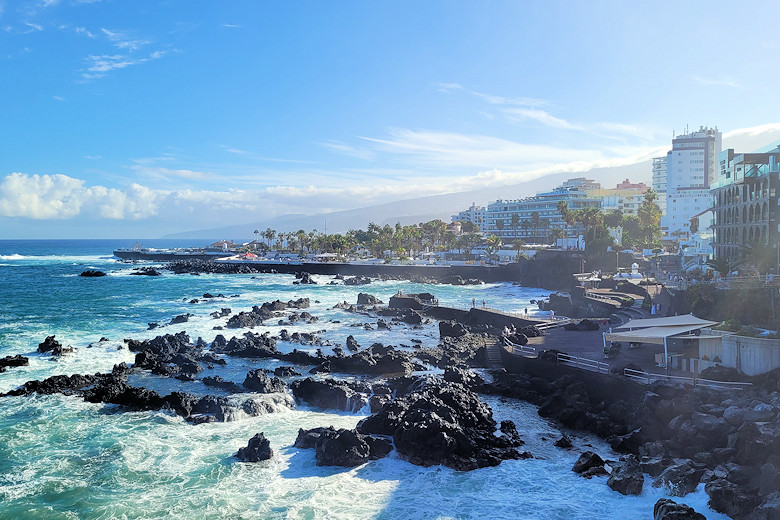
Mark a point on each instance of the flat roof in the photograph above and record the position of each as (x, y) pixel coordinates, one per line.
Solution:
(669, 321)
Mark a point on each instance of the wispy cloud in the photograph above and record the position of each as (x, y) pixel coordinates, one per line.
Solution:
(98, 66)
(33, 27)
(231, 26)
(58, 98)
(122, 41)
(86, 32)
(718, 82)
(540, 116)
(230, 149)
(351, 151)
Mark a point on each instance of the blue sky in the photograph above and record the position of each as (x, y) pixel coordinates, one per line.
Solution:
(138, 118)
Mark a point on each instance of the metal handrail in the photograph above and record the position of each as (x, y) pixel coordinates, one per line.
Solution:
(583, 363)
(648, 377)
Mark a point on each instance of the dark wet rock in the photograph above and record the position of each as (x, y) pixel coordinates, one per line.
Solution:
(452, 329)
(225, 311)
(181, 318)
(13, 361)
(755, 442)
(218, 382)
(731, 499)
(322, 368)
(437, 422)
(60, 384)
(681, 478)
(564, 442)
(352, 343)
(258, 448)
(666, 509)
(376, 360)
(250, 346)
(357, 280)
(54, 347)
(341, 448)
(303, 278)
(328, 393)
(463, 376)
(92, 273)
(153, 326)
(258, 381)
(118, 392)
(382, 324)
(285, 371)
(587, 463)
(626, 477)
(368, 299)
(145, 271)
(346, 448)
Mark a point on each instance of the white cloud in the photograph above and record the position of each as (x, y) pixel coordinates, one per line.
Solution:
(231, 26)
(58, 197)
(99, 65)
(724, 81)
(33, 27)
(535, 114)
(351, 151)
(86, 32)
(169, 173)
(58, 98)
(41, 196)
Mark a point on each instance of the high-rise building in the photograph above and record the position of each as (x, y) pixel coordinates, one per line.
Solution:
(691, 170)
(659, 182)
(475, 214)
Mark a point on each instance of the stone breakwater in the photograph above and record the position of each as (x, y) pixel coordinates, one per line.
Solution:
(548, 269)
(680, 436)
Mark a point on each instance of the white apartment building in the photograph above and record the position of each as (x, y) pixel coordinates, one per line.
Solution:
(691, 169)
(475, 214)
(659, 182)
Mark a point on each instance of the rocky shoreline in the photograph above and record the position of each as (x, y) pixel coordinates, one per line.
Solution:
(679, 436)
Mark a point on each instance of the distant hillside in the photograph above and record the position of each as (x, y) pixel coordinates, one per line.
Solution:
(420, 209)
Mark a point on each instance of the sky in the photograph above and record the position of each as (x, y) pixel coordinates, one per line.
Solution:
(137, 118)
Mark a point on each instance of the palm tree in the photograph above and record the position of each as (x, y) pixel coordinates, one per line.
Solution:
(500, 225)
(515, 222)
(557, 233)
(493, 245)
(535, 222)
(722, 265)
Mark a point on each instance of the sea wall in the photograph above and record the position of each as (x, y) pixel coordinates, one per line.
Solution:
(751, 356)
(601, 387)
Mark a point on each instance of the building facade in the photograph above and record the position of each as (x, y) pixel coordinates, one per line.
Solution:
(659, 182)
(745, 202)
(475, 214)
(691, 169)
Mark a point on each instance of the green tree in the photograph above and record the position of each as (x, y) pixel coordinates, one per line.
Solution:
(650, 218)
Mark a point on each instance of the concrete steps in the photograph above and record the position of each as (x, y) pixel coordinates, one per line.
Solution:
(494, 354)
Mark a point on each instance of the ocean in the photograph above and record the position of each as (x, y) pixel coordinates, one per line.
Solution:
(63, 458)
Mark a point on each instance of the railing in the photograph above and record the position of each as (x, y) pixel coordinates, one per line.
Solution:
(647, 378)
(583, 363)
(523, 350)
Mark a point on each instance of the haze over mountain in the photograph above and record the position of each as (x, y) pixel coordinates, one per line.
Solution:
(420, 209)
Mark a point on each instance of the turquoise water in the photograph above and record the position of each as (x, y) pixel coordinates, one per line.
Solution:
(63, 458)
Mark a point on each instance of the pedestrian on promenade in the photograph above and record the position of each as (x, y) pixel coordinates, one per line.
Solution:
(552, 315)
(473, 302)
(483, 304)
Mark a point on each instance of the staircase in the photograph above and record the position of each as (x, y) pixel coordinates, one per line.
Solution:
(494, 353)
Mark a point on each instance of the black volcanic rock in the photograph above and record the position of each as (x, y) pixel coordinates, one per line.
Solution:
(666, 509)
(346, 448)
(328, 393)
(258, 381)
(258, 448)
(626, 477)
(54, 347)
(13, 361)
(92, 273)
(438, 422)
(368, 299)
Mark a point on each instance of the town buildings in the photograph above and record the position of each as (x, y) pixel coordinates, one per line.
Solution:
(533, 219)
(745, 201)
(684, 179)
